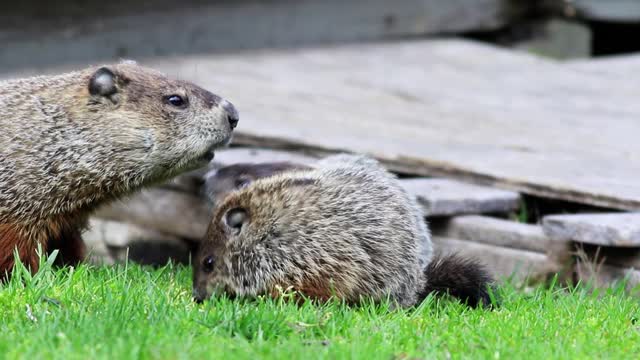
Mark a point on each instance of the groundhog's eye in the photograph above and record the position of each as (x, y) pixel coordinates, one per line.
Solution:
(207, 264)
(176, 100)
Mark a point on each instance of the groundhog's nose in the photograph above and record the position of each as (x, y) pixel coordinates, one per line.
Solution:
(232, 113)
(198, 296)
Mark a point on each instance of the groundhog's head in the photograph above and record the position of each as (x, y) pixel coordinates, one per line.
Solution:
(220, 182)
(151, 123)
(272, 235)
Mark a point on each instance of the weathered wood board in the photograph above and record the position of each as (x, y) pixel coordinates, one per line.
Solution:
(447, 107)
(101, 31)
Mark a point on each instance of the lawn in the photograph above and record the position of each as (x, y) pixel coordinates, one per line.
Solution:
(129, 311)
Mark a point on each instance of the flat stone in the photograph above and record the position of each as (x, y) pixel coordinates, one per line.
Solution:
(441, 197)
(502, 262)
(494, 231)
(610, 229)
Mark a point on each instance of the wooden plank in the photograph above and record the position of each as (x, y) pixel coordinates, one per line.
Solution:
(501, 262)
(444, 197)
(494, 231)
(615, 229)
(99, 31)
(434, 108)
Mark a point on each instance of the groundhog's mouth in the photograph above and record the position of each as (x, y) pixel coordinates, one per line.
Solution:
(209, 155)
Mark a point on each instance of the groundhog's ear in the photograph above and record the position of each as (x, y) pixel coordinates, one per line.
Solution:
(103, 82)
(243, 181)
(235, 219)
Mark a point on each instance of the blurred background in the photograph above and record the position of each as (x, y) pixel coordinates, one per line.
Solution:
(40, 33)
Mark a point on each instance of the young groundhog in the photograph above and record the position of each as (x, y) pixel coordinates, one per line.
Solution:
(72, 142)
(220, 182)
(345, 228)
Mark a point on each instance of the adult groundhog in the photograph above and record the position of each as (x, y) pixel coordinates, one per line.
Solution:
(71, 142)
(346, 229)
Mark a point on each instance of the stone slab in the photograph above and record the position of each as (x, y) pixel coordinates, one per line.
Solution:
(607, 229)
(441, 197)
(494, 231)
(502, 262)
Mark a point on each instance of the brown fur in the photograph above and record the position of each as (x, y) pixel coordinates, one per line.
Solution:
(72, 142)
(345, 228)
(11, 240)
(317, 231)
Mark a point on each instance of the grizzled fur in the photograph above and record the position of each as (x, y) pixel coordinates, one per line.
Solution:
(345, 229)
(71, 142)
(220, 182)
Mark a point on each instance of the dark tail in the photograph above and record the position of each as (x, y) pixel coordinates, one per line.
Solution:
(460, 277)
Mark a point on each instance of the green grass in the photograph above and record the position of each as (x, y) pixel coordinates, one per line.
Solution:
(127, 312)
